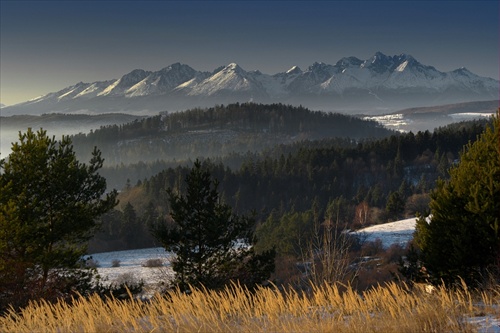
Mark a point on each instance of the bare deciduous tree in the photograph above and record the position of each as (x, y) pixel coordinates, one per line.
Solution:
(362, 213)
(327, 258)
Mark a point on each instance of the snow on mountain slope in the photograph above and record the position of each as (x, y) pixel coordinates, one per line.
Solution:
(120, 86)
(311, 79)
(93, 90)
(64, 94)
(76, 89)
(384, 72)
(349, 79)
(230, 78)
(189, 85)
(471, 81)
(396, 79)
(411, 74)
(277, 84)
(162, 81)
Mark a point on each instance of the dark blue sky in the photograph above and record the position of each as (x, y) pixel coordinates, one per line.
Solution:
(48, 45)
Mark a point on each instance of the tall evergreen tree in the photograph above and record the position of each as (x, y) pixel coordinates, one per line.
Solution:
(49, 203)
(463, 236)
(212, 245)
(395, 205)
(131, 227)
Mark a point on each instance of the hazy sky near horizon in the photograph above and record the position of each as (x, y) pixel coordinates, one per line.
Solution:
(46, 46)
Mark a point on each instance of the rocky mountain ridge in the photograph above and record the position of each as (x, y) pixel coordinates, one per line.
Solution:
(379, 82)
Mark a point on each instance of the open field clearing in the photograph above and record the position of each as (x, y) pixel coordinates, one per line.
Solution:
(390, 308)
(152, 266)
(399, 232)
(132, 265)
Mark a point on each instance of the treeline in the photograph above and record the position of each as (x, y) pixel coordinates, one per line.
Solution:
(219, 131)
(124, 175)
(288, 187)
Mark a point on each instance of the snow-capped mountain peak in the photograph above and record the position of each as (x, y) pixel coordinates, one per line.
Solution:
(380, 63)
(231, 69)
(162, 81)
(229, 78)
(375, 80)
(348, 62)
(294, 70)
(233, 66)
(463, 71)
(120, 86)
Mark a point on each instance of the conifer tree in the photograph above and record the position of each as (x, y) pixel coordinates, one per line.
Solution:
(49, 204)
(462, 238)
(395, 205)
(212, 246)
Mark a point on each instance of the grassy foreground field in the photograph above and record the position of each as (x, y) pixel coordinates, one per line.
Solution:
(390, 308)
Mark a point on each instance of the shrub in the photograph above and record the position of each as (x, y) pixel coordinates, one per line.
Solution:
(125, 279)
(373, 248)
(115, 263)
(417, 203)
(153, 263)
(124, 286)
(393, 253)
(92, 263)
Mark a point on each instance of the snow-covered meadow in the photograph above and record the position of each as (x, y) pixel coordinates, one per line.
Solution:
(132, 265)
(404, 122)
(150, 265)
(399, 232)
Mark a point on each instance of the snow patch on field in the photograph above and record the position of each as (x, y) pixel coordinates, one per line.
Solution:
(470, 115)
(131, 263)
(486, 324)
(392, 121)
(131, 267)
(399, 232)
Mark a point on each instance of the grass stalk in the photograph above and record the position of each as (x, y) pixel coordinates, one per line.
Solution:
(326, 308)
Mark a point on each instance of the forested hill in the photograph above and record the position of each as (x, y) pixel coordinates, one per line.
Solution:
(287, 186)
(367, 171)
(218, 131)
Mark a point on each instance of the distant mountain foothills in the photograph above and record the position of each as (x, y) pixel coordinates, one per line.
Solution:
(220, 131)
(351, 85)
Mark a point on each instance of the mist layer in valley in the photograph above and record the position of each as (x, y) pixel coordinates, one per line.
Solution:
(55, 124)
(430, 118)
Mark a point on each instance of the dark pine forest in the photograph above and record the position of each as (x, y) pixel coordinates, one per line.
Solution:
(288, 166)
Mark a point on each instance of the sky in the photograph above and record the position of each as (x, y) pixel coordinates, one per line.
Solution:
(46, 46)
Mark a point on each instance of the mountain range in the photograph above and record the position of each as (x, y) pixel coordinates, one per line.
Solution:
(381, 82)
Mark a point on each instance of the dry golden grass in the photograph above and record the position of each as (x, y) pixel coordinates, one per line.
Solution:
(326, 308)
